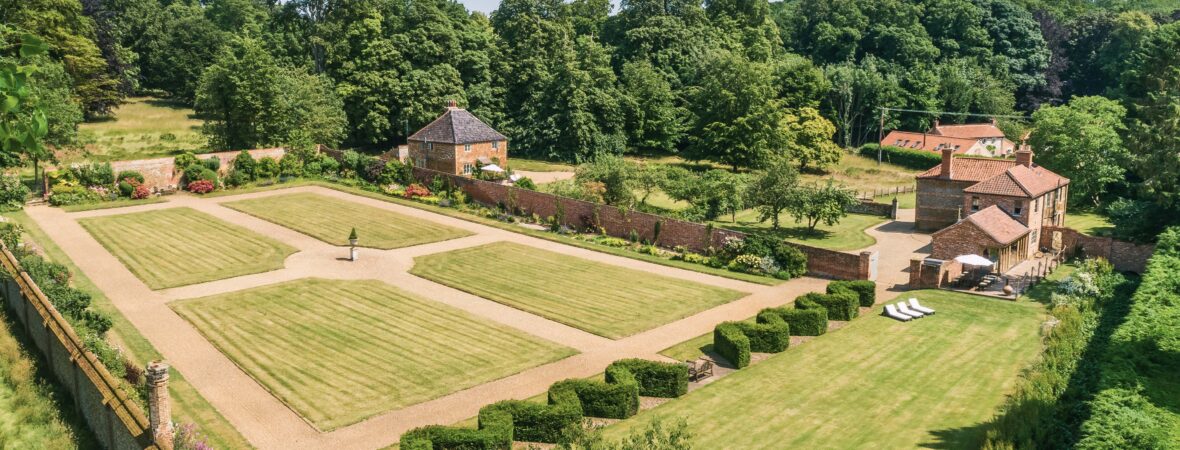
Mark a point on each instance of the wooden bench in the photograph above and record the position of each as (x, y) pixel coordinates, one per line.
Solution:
(699, 369)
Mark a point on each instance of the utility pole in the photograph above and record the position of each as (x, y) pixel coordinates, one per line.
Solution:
(880, 134)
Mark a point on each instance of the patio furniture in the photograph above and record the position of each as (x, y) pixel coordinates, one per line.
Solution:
(891, 311)
(905, 309)
(914, 305)
(699, 369)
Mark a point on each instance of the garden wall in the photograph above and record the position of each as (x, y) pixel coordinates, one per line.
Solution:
(874, 209)
(1125, 256)
(115, 419)
(162, 173)
(620, 222)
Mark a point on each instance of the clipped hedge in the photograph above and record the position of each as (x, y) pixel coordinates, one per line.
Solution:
(909, 158)
(841, 305)
(655, 379)
(735, 340)
(802, 322)
(503, 422)
(866, 290)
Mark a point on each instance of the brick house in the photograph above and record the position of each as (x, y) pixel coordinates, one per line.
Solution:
(1007, 195)
(978, 139)
(457, 142)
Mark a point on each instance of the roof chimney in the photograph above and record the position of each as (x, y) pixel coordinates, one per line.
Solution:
(993, 120)
(1024, 156)
(452, 105)
(948, 159)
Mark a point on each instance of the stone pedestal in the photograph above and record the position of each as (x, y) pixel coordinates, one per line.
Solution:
(159, 405)
(352, 254)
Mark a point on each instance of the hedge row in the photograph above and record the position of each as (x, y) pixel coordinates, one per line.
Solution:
(802, 322)
(909, 158)
(503, 422)
(735, 340)
(841, 305)
(1136, 404)
(866, 290)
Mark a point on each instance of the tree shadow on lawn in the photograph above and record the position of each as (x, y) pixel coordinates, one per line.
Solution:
(957, 438)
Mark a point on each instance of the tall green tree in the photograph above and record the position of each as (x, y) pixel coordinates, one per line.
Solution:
(655, 122)
(856, 91)
(810, 140)
(23, 124)
(738, 119)
(250, 101)
(771, 189)
(1083, 141)
(820, 203)
(1151, 89)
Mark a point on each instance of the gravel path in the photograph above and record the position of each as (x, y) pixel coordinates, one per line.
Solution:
(268, 423)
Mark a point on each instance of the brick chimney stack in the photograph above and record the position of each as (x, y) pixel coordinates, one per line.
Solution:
(1024, 156)
(948, 162)
(452, 105)
(159, 405)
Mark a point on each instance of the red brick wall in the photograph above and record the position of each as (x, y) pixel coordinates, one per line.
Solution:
(1125, 256)
(620, 223)
(161, 172)
(450, 158)
(929, 275)
(965, 239)
(938, 203)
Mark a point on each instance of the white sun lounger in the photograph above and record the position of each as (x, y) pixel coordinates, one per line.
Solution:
(914, 305)
(891, 311)
(905, 309)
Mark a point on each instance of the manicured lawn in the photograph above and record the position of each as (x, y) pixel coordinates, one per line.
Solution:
(188, 406)
(908, 200)
(121, 203)
(330, 220)
(143, 127)
(338, 352)
(849, 234)
(538, 165)
(181, 246)
(607, 300)
(1089, 222)
(876, 383)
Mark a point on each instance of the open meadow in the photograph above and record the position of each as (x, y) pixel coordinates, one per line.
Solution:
(142, 127)
(603, 299)
(874, 383)
(330, 220)
(181, 246)
(338, 352)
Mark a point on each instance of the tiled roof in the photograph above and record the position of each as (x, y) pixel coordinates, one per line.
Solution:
(996, 223)
(1020, 181)
(970, 130)
(971, 169)
(457, 126)
(925, 141)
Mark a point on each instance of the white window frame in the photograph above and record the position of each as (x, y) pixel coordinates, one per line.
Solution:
(495, 145)
(1017, 208)
(468, 168)
(429, 146)
(975, 203)
(466, 148)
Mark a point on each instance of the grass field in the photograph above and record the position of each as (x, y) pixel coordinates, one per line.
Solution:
(35, 412)
(607, 300)
(188, 406)
(876, 383)
(181, 246)
(908, 200)
(849, 234)
(1088, 222)
(538, 165)
(341, 351)
(330, 220)
(143, 127)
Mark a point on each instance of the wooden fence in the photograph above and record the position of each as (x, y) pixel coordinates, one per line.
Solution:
(116, 420)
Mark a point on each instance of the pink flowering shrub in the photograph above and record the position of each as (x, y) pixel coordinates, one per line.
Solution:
(188, 438)
(141, 192)
(201, 187)
(416, 190)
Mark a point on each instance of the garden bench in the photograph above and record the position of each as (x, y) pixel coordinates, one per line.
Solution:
(699, 369)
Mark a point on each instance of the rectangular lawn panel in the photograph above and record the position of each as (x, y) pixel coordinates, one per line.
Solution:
(603, 299)
(338, 352)
(181, 246)
(331, 219)
(877, 383)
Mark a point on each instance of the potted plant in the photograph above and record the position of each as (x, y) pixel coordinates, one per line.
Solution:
(352, 238)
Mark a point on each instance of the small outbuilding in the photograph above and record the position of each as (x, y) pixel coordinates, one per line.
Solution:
(990, 232)
(457, 142)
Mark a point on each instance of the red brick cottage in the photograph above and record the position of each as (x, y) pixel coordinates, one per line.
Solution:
(457, 142)
(991, 207)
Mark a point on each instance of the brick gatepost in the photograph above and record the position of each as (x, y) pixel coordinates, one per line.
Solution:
(159, 405)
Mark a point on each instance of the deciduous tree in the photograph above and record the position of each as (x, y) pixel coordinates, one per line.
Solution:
(1082, 141)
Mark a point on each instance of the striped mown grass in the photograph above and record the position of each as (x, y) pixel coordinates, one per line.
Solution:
(330, 220)
(876, 383)
(181, 246)
(603, 299)
(338, 352)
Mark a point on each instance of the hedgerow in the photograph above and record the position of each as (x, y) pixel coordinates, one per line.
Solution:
(1135, 406)
(736, 340)
(865, 290)
(503, 422)
(913, 159)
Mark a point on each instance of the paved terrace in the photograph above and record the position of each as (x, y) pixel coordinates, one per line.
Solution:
(267, 423)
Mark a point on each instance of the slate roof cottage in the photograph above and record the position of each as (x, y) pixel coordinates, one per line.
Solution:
(457, 142)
